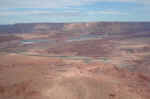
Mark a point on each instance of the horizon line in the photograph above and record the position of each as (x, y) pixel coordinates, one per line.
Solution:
(77, 22)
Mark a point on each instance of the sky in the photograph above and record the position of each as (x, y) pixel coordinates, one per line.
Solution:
(54, 11)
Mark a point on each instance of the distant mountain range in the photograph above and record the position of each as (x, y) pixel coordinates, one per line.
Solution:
(91, 27)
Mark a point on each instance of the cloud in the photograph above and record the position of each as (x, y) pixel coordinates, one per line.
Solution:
(57, 3)
(72, 10)
(65, 13)
(60, 13)
(109, 12)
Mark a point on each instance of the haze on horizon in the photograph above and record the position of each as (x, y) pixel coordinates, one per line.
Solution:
(31, 11)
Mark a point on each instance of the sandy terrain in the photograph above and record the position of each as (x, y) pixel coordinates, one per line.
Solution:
(32, 77)
(75, 61)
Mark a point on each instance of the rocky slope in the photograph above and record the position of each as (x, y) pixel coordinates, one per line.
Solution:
(93, 27)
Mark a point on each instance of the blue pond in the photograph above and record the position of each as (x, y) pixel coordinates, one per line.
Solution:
(33, 41)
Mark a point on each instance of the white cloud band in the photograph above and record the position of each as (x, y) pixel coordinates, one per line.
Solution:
(57, 3)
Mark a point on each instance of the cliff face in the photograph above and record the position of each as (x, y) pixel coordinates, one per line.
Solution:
(93, 27)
